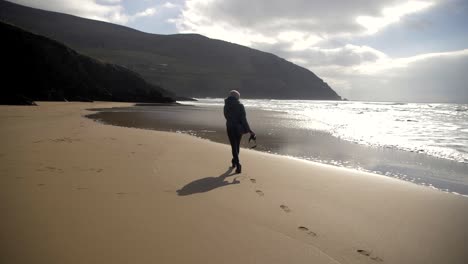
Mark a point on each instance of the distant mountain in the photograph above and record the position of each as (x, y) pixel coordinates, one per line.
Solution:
(186, 64)
(37, 68)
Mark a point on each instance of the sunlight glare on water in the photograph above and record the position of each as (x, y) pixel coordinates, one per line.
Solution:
(439, 130)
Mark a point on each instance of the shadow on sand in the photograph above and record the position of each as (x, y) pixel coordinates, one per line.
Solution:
(207, 184)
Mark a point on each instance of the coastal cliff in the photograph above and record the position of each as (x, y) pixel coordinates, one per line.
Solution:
(37, 68)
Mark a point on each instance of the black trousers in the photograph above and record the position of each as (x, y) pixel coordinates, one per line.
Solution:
(234, 139)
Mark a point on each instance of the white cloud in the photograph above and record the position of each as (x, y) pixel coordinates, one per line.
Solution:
(391, 15)
(111, 1)
(221, 30)
(309, 21)
(148, 12)
(104, 10)
(299, 40)
(109, 11)
(170, 5)
(388, 64)
(428, 77)
(348, 55)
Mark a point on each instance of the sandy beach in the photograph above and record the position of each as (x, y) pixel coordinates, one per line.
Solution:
(77, 191)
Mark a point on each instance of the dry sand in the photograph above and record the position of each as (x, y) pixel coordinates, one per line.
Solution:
(76, 191)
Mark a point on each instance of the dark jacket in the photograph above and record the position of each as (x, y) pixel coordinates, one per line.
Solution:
(234, 112)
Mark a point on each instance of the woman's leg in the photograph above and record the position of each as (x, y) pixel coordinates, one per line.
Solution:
(233, 139)
(238, 141)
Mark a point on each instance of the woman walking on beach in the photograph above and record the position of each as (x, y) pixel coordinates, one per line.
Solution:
(236, 125)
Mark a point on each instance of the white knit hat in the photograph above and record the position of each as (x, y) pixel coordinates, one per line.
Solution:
(234, 93)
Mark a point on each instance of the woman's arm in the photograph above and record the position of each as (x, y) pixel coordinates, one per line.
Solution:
(244, 122)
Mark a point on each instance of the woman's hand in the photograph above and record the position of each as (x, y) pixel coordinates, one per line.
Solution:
(252, 136)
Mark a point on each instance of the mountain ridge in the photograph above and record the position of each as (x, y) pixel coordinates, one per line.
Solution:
(186, 64)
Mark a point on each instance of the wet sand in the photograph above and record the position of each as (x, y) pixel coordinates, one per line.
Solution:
(280, 135)
(76, 191)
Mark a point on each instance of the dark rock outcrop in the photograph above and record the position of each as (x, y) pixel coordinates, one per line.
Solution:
(37, 68)
(186, 64)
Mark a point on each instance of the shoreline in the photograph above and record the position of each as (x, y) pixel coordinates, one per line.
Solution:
(316, 146)
(77, 191)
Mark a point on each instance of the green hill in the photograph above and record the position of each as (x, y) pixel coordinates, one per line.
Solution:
(37, 68)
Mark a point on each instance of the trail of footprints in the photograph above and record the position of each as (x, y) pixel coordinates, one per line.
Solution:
(285, 208)
(308, 232)
(50, 169)
(64, 140)
(58, 170)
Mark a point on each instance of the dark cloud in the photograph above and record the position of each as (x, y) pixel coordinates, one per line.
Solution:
(332, 16)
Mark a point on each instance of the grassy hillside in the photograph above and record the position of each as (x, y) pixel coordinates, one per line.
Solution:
(37, 68)
(187, 64)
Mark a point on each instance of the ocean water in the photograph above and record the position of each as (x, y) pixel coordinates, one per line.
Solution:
(438, 130)
(426, 144)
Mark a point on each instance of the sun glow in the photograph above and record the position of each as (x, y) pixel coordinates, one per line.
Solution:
(391, 15)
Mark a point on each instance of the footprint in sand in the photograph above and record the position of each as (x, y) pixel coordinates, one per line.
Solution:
(95, 170)
(363, 252)
(368, 254)
(65, 139)
(285, 208)
(253, 180)
(52, 169)
(305, 229)
(260, 193)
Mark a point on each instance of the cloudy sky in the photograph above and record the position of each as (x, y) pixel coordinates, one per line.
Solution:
(386, 50)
